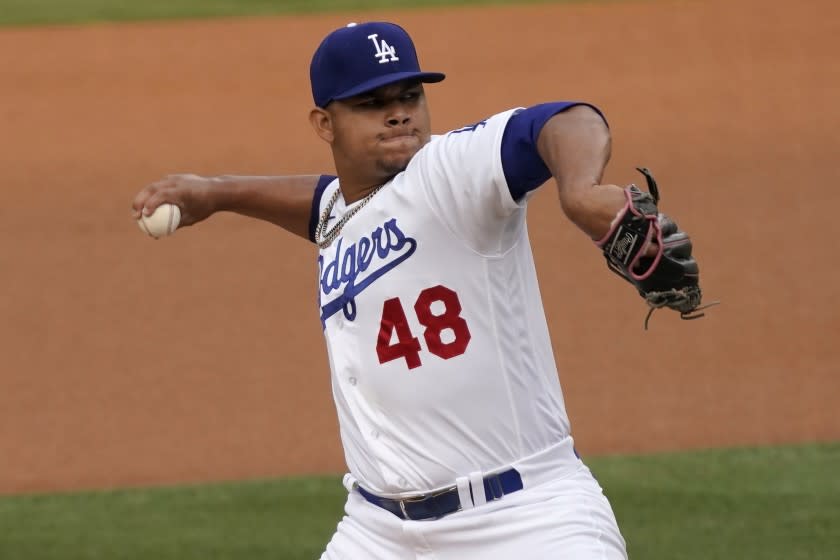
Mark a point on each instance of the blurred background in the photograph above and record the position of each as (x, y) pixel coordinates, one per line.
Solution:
(200, 355)
(130, 362)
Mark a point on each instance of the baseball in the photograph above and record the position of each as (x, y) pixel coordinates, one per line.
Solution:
(163, 221)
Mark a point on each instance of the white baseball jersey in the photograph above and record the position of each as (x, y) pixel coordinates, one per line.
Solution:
(438, 345)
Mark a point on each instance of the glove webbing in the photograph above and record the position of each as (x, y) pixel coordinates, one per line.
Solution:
(658, 300)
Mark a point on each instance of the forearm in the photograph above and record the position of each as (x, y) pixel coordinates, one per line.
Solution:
(575, 146)
(285, 201)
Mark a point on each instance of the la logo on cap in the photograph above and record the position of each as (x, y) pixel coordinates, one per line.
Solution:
(384, 51)
(344, 64)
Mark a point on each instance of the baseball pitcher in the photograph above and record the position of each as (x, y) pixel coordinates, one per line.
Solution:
(451, 415)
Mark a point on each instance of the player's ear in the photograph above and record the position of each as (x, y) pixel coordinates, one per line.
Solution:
(321, 120)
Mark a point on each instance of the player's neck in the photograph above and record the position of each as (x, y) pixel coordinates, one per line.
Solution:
(354, 190)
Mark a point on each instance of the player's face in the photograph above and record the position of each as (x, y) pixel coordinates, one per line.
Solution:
(380, 131)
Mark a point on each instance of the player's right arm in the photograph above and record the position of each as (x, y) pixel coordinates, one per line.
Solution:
(286, 201)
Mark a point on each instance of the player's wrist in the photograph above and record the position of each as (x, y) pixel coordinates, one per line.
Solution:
(221, 193)
(595, 209)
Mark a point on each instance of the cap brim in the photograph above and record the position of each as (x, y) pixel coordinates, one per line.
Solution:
(379, 81)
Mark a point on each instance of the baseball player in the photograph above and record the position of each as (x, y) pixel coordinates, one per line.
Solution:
(450, 410)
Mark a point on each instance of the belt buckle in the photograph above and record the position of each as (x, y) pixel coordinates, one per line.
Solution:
(402, 509)
(423, 498)
(414, 499)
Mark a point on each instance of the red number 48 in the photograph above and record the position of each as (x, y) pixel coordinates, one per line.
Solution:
(407, 345)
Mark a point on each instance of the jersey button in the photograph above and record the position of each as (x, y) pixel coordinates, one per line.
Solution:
(402, 482)
(351, 380)
(374, 434)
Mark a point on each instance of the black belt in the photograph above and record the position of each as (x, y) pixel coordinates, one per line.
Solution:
(440, 504)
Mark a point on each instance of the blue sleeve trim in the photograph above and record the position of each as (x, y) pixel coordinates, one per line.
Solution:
(323, 181)
(523, 167)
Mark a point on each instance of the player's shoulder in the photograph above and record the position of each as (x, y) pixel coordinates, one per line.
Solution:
(541, 112)
(478, 133)
(498, 120)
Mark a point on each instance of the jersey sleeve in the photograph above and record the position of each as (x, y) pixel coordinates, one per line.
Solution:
(523, 167)
(477, 178)
(323, 181)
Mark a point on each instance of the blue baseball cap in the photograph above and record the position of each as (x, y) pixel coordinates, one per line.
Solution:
(361, 57)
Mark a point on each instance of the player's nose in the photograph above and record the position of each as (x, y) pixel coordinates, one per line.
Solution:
(398, 120)
(397, 115)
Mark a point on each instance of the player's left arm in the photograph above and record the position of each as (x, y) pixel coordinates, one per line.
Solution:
(571, 142)
(575, 146)
(642, 245)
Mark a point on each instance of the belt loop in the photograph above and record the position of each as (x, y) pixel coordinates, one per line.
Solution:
(477, 487)
(349, 481)
(463, 485)
(494, 484)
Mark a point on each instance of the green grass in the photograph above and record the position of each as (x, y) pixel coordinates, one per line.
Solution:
(290, 518)
(739, 504)
(36, 12)
(744, 504)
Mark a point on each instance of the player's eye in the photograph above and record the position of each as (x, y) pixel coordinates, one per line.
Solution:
(370, 103)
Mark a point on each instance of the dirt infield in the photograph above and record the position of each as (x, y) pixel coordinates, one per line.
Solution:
(131, 362)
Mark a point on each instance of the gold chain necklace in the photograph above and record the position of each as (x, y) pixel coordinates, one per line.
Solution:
(323, 237)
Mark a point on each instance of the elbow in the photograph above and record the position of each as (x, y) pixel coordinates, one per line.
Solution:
(573, 204)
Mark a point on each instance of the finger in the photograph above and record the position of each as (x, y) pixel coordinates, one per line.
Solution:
(155, 200)
(140, 199)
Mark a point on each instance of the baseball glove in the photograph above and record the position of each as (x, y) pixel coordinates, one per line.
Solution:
(668, 279)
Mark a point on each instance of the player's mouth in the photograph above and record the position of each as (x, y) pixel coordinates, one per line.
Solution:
(400, 139)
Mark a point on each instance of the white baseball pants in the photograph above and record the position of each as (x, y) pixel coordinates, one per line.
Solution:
(561, 513)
